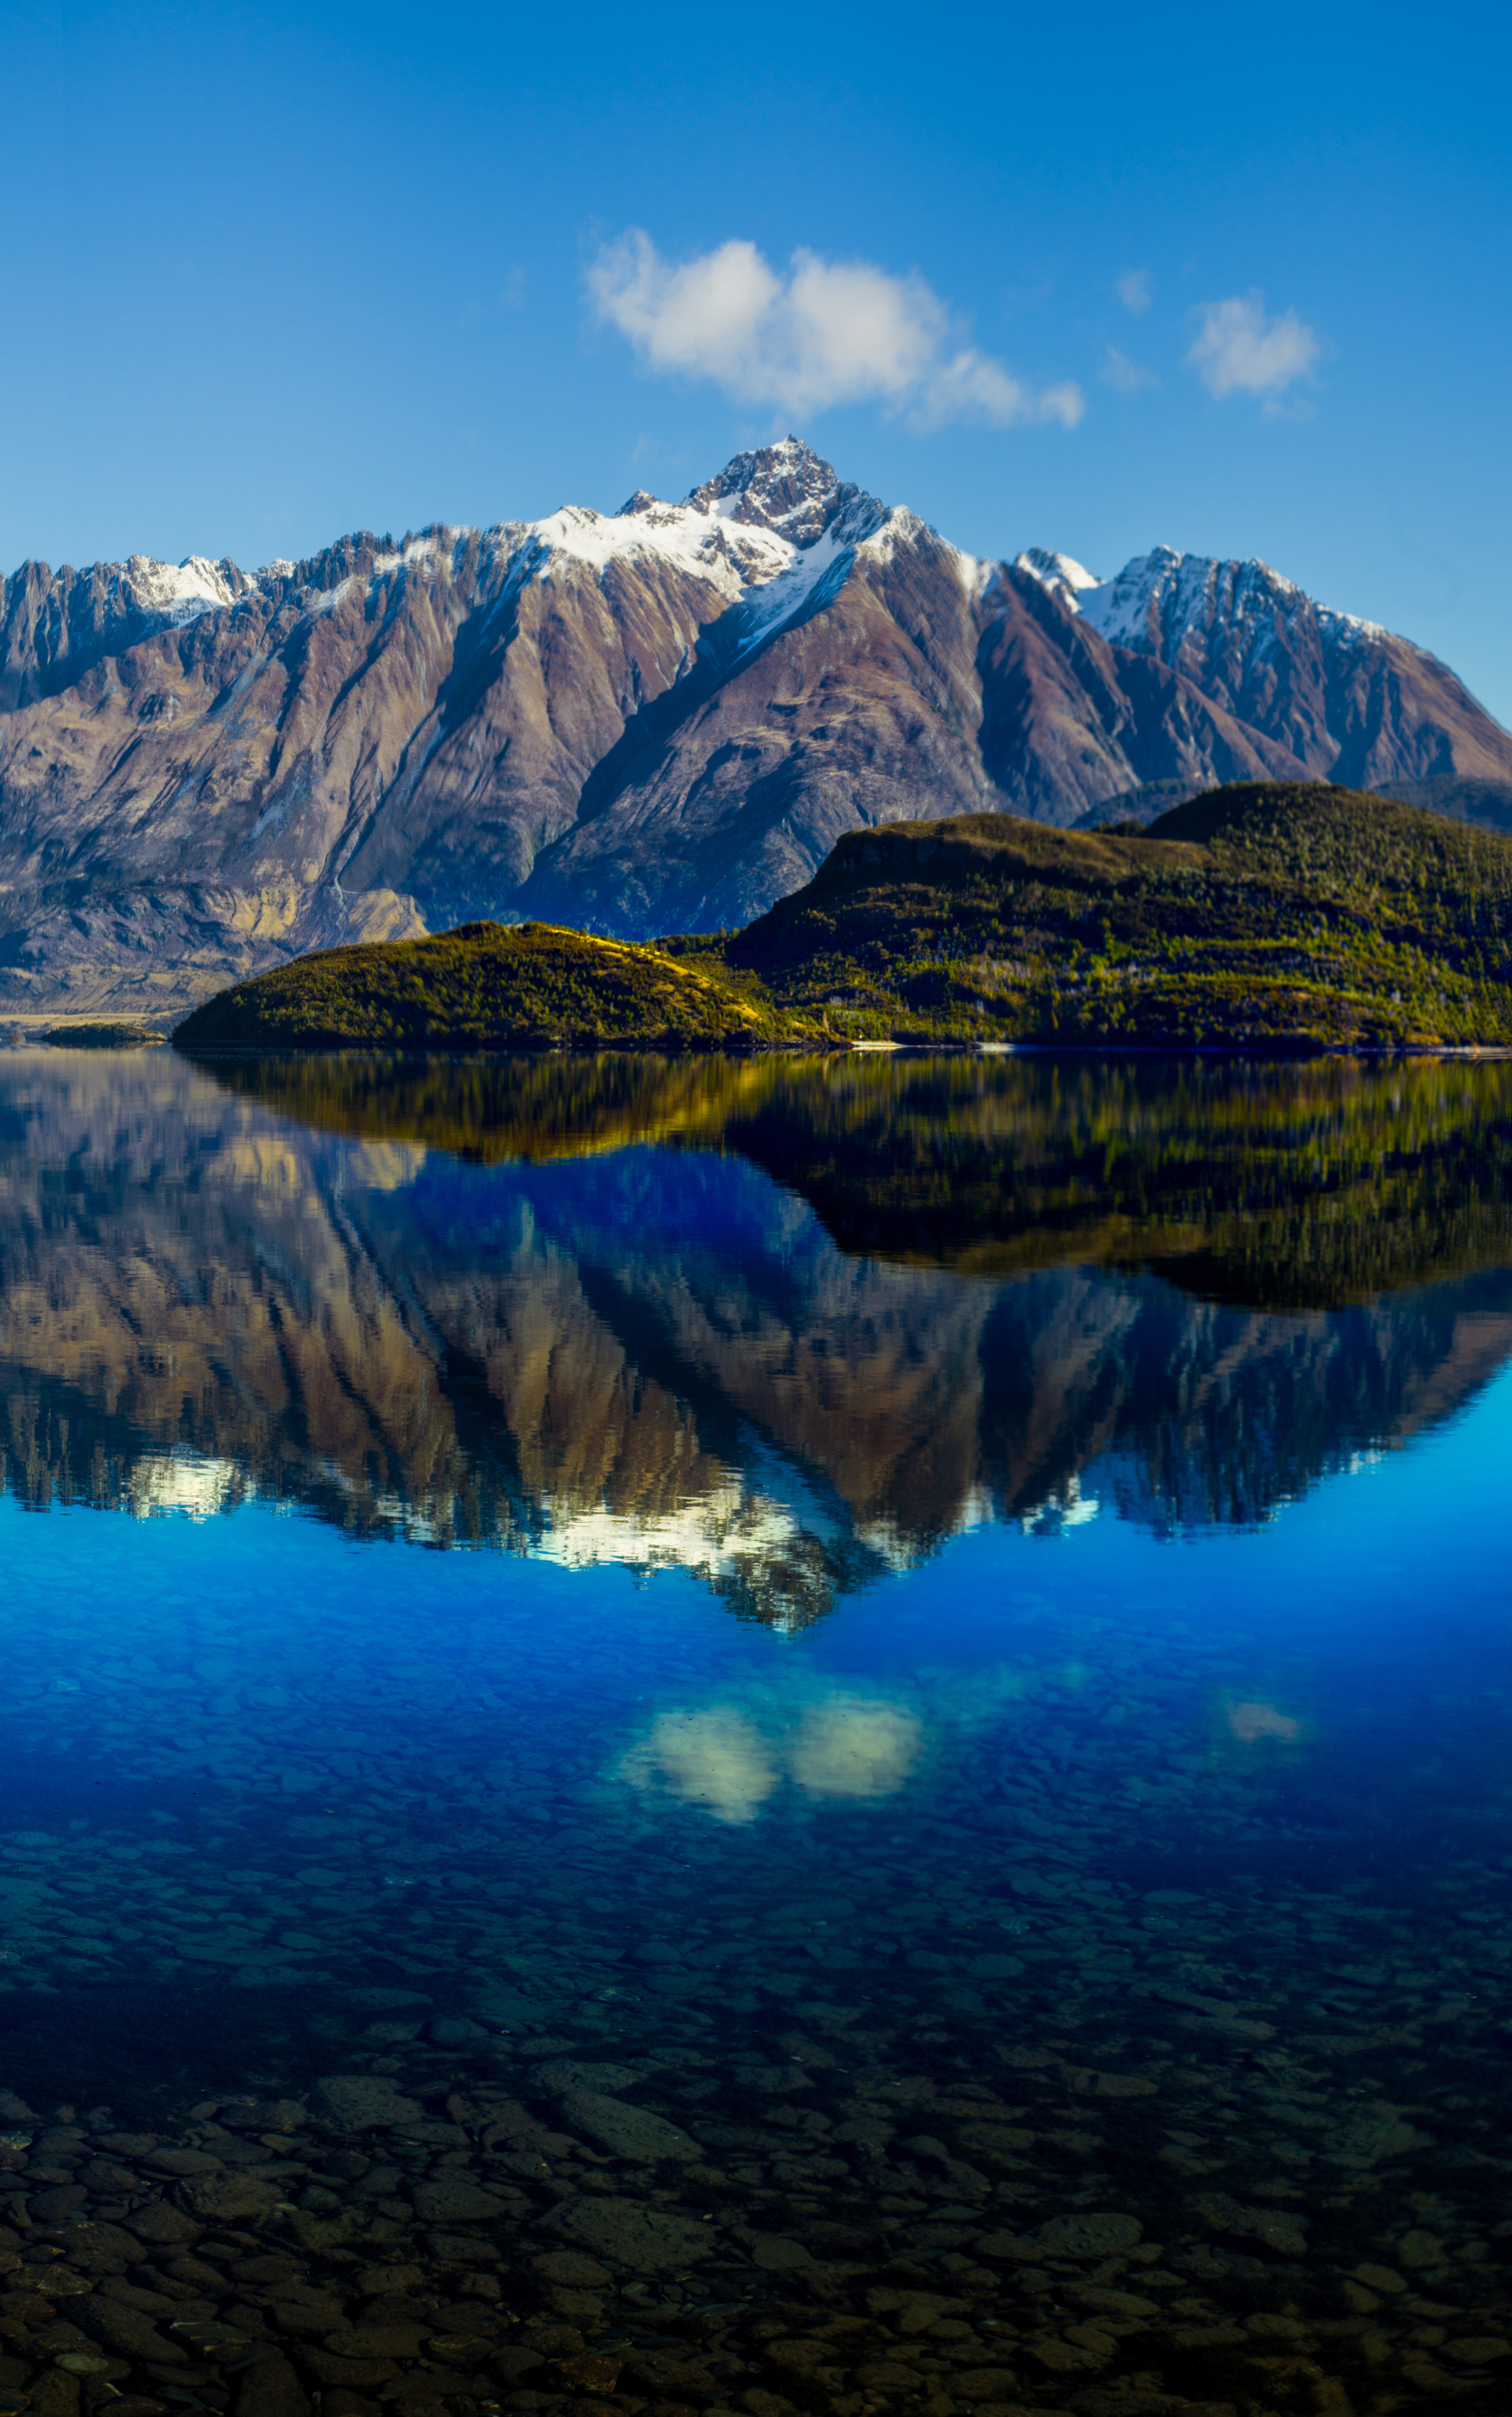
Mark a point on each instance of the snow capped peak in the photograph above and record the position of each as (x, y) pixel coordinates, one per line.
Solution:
(181, 591)
(688, 540)
(783, 487)
(1159, 596)
(1060, 573)
(776, 519)
(1174, 605)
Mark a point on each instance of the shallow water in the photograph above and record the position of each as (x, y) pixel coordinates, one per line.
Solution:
(939, 1628)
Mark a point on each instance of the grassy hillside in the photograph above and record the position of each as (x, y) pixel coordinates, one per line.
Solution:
(493, 986)
(1487, 803)
(1260, 915)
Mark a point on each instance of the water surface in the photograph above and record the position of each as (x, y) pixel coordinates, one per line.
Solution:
(940, 1627)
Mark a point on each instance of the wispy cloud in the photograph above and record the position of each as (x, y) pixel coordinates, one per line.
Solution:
(1238, 350)
(1135, 291)
(818, 333)
(1124, 376)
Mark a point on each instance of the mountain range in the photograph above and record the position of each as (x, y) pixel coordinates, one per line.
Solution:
(655, 721)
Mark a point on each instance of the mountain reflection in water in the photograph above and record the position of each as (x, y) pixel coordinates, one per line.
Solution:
(782, 1324)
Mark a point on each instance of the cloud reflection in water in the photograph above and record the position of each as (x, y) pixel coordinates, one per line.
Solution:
(1252, 1720)
(855, 1748)
(717, 1759)
(848, 1748)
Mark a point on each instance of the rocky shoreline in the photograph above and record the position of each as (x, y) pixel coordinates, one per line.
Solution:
(418, 2240)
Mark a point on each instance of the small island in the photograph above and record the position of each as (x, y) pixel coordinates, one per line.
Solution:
(1261, 916)
(486, 986)
(117, 1034)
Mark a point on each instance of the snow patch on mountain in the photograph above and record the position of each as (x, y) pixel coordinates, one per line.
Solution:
(413, 550)
(774, 529)
(780, 600)
(1060, 573)
(699, 544)
(1167, 604)
(180, 591)
(1349, 629)
(898, 527)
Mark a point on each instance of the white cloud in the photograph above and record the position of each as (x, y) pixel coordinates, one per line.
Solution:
(1238, 350)
(1125, 376)
(1134, 290)
(824, 332)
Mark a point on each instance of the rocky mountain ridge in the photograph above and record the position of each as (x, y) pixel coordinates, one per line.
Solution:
(650, 721)
(1340, 691)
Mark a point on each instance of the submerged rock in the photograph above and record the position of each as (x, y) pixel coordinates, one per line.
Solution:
(363, 2102)
(627, 2131)
(647, 2238)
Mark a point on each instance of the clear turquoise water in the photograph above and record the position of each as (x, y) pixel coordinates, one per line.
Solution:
(1054, 1683)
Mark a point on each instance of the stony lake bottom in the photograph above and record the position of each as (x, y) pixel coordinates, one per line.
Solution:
(811, 1737)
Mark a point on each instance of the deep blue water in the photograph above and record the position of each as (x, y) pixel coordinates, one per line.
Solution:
(582, 1602)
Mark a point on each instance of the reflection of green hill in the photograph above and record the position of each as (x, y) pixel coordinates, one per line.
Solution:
(1303, 1185)
(1286, 1186)
(659, 1357)
(492, 1109)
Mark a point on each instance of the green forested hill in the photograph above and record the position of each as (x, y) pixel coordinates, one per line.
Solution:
(1258, 915)
(492, 986)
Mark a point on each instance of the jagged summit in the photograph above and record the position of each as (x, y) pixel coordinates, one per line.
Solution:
(785, 487)
(777, 511)
(635, 723)
(1163, 601)
(1060, 573)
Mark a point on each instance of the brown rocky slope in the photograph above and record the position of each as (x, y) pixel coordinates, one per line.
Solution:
(635, 724)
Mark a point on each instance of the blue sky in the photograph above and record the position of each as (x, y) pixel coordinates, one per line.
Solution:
(1095, 279)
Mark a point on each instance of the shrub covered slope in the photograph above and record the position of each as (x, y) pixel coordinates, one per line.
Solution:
(492, 986)
(1258, 915)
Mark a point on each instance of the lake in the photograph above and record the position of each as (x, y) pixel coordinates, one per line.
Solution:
(813, 1735)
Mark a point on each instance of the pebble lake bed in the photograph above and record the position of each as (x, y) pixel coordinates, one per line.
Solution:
(767, 1740)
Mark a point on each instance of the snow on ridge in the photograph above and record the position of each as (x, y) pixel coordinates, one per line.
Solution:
(1161, 599)
(1349, 628)
(180, 591)
(731, 556)
(899, 526)
(415, 549)
(1061, 573)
